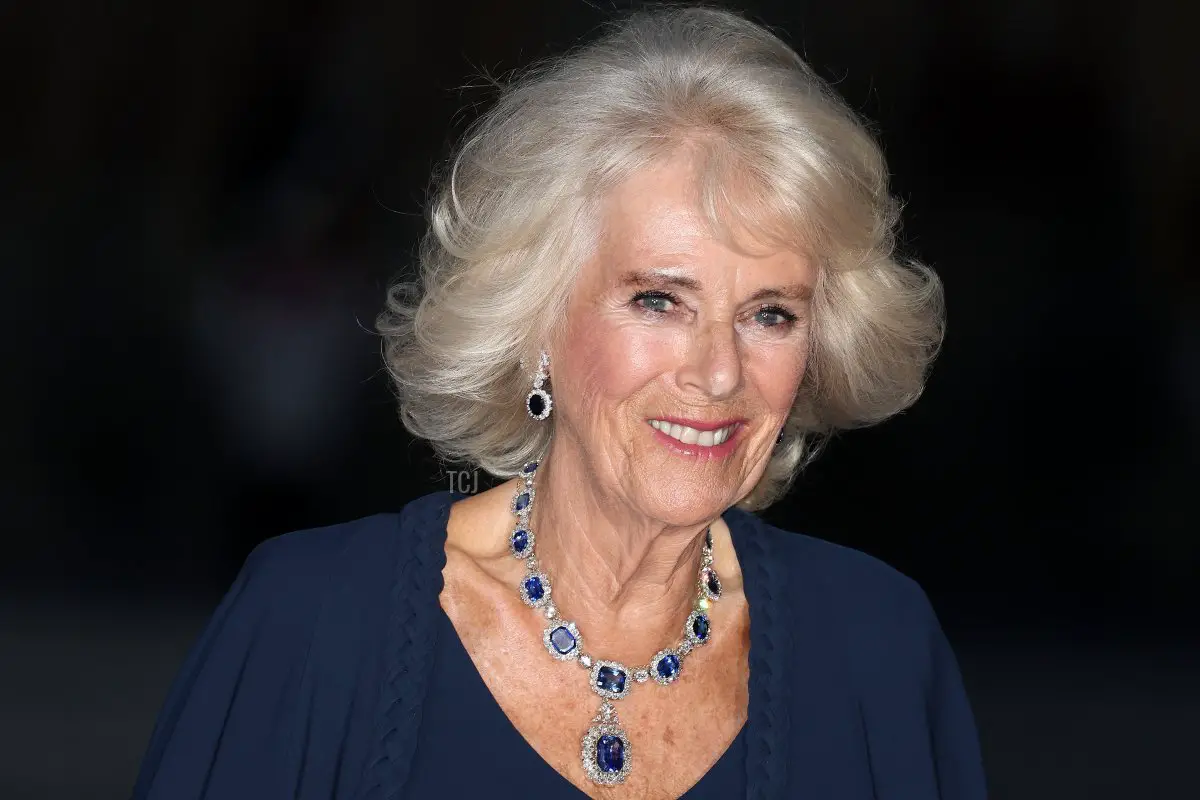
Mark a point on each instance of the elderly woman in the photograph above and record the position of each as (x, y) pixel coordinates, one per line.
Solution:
(657, 270)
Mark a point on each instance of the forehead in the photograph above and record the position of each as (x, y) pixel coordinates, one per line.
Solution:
(654, 219)
(656, 209)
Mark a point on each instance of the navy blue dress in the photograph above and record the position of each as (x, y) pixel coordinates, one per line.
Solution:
(330, 672)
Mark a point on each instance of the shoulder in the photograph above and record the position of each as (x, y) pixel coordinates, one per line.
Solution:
(290, 666)
(300, 563)
(299, 566)
(860, 584)
(851, 647)
(880, 615)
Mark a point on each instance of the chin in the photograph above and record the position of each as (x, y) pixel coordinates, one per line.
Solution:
(675, 500)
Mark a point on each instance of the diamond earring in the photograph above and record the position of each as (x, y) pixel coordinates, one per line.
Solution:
(539, 402)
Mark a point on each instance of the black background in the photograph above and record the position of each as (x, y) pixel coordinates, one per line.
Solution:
(203, 205)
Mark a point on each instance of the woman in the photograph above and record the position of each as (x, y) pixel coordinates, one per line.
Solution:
(658, 268)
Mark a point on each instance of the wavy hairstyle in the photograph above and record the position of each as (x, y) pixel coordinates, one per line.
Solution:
(514, 216)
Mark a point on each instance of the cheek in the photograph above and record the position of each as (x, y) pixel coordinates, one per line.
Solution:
(778, 373)
(615, 360)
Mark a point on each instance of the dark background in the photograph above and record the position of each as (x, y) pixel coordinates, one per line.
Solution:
(204, 202)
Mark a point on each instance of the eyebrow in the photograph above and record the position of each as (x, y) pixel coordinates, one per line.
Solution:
(796, 292)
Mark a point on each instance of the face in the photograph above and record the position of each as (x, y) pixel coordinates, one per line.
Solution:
(681, 358)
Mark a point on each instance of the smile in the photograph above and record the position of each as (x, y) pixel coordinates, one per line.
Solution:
(688, 435)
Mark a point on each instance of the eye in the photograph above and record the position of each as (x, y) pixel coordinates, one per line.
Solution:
(658, 302)
(774, 316)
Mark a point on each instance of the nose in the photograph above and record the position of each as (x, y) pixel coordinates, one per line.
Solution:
(712, 364)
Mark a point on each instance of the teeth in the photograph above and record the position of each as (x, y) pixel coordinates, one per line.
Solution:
(692, 436)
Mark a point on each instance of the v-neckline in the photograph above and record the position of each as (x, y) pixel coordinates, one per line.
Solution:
(478, 687)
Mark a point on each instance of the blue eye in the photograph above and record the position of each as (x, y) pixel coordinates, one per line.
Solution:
(658, 302)
(774, 316)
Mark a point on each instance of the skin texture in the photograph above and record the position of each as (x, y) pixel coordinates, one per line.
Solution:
(620, 513)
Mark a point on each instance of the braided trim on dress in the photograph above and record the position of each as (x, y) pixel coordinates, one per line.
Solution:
(412, 640)
(768, 721)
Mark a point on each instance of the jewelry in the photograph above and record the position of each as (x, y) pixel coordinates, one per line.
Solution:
(605, 751)
(539, 403)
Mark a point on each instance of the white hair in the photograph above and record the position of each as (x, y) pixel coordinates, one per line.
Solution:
(514, 218)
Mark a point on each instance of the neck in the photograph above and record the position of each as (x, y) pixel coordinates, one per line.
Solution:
(628, 581)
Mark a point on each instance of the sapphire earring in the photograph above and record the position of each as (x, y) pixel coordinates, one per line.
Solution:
(539, 402)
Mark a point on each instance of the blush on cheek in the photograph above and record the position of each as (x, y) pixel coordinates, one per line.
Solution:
(779, 380)
(618, 360)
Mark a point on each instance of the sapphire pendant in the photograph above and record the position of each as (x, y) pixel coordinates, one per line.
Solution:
(604, 751)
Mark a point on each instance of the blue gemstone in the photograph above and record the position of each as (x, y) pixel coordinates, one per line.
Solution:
(520, 540)
(610, 753)
(523, 500)
(610, 679)
(668, 666)
(529, 468)
(563, 640)
(714, 583)
(537, 405)
(534, 588)
(700, 627)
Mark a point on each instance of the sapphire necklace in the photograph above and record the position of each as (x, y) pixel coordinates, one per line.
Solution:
(605, 752)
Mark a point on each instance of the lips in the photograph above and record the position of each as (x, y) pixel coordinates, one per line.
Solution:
(690, 435)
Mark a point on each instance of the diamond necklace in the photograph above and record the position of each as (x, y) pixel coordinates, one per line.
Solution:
(604, 751)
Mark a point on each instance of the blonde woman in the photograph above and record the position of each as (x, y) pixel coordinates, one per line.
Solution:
(658, 271)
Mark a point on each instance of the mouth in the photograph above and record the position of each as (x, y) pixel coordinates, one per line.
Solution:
(698, 439)
(700, 435)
